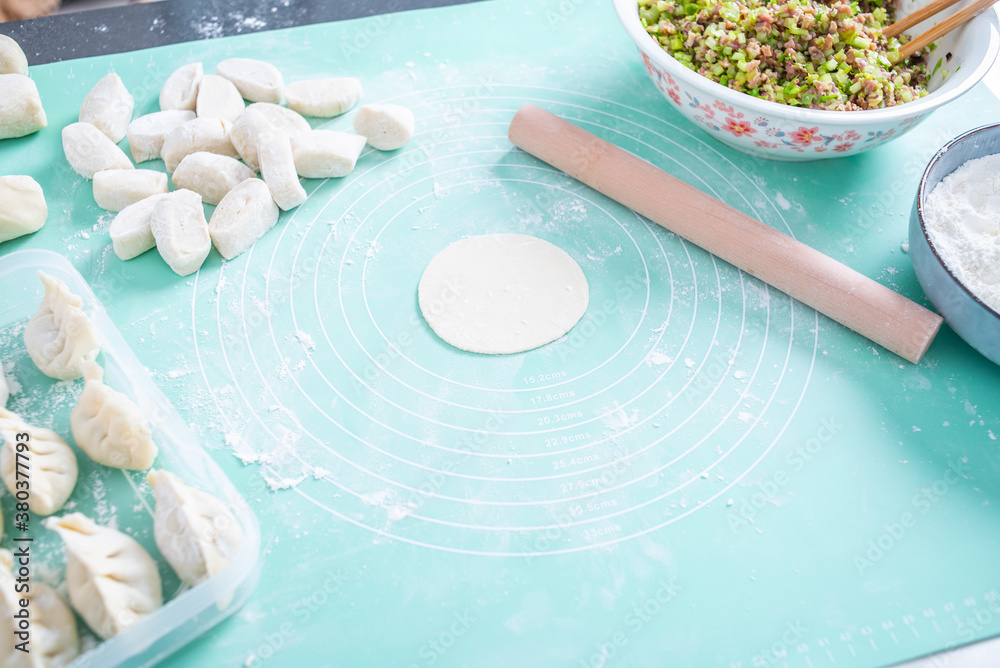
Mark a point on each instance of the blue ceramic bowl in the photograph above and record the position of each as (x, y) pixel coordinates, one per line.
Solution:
(968, 315)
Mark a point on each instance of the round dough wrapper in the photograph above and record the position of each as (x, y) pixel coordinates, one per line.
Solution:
(502, 293)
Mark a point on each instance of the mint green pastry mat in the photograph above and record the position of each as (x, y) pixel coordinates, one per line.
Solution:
(703, 473)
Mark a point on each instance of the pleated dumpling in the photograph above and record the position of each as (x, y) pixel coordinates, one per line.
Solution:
(112, 581)
(60, 336)
(43, 457)
(109, 427)
(54, 641)
(194, 531)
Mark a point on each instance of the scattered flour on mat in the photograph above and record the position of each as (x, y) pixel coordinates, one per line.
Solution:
(382, 499)
(283, 469)
(657, 358)
(306, 340)
(782, 202)
(375, 498)
(617, 419)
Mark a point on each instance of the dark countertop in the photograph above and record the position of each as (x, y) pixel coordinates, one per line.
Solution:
(139, 26)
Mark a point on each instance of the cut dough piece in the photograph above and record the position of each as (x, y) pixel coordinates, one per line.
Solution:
(21, 110)
(116, 189)
(210, 175)
(108, 107)
(323, 98)
(180, 90)
(109, 427)
(51, 463)
(112, 581)
(324, 154)
(259, 118)
(194, 531)
(242, 218)
(22, 207)
(256, 80)
(219, 98)
(12, 60)
(277, 168)
(130, 233)
(147, 133)
(90, 151)
(201, 134)
(181, 232)
(54, 638)
(502, 293)
(60, 337)
(386, 126)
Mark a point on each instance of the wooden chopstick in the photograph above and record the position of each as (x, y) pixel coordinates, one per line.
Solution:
(941, 29)
(916, 17)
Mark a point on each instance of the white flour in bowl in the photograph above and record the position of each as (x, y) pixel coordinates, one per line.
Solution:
(962, 216)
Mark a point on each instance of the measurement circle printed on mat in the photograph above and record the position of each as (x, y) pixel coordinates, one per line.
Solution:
(680, 377)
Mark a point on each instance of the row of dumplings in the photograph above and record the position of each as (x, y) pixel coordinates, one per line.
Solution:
(22, 203)
(213, 144)
(112, 581)
(21, 111)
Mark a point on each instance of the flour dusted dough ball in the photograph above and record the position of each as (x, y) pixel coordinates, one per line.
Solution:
(277, 168)
(147, 133)
(112, 581)
(219, 98)
(256, 80)
(210, 175)
(181, 232)
(21, 110)
(180, 90)
(22, 207)
(324, 154)
(109, 427)
(193, 530)
(386, 126)
(259, 118)
(51, 462)
(12, 60)
(54, 638)
(242, 218)
(323, 98)
(130, 233)
(89, 150)
(60, 337)
(108, 106)
(115, 189)
(201, 134)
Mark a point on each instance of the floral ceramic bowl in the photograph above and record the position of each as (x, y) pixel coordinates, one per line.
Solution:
(781, 132)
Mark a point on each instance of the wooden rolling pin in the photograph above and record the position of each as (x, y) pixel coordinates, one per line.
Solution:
(854, 300)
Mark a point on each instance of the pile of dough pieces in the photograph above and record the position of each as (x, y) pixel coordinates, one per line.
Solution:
(112, 581)
(22, 203)
(214, 145)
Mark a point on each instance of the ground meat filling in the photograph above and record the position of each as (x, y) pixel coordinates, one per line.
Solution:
(820, 55)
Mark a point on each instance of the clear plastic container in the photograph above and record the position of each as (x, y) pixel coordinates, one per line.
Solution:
(110, 496)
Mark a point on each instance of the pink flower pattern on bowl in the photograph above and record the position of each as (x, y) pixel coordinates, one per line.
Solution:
(764, 136)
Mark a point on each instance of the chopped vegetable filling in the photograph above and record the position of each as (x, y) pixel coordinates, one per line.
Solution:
(820, 55)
